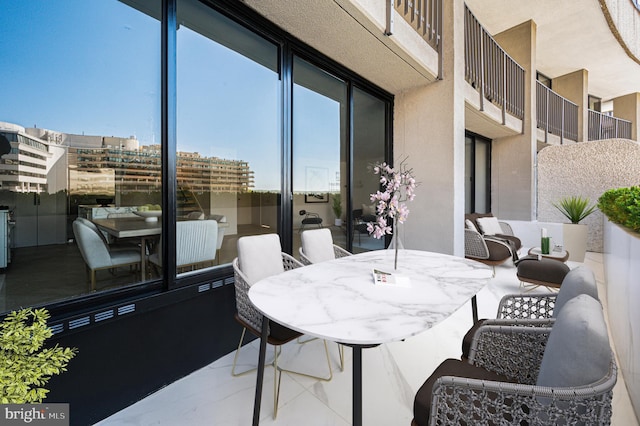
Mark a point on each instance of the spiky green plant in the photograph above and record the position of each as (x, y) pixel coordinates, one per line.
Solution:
(575, 208)
(25, 367)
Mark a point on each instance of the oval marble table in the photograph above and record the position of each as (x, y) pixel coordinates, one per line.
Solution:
(337, 300)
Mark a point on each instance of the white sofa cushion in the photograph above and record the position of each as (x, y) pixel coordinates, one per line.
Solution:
(489, 225)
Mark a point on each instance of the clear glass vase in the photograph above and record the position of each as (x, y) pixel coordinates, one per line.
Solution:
(396, 242)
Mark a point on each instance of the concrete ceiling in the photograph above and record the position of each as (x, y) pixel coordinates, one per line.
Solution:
(572, 35)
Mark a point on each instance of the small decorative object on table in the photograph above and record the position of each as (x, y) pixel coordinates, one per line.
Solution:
(545, 242)
(399, 185)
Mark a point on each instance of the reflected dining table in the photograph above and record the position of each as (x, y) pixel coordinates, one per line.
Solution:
(132, 227)
(337, 300)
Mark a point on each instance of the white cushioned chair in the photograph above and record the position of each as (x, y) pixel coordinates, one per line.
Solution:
(196, 242)
(317, 246)
(261, 256)
(96, 253)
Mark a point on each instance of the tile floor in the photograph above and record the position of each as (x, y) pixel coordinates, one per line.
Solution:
(391, 375)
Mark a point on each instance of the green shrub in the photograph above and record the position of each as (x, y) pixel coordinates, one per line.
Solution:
(24, 366)
(622, 206)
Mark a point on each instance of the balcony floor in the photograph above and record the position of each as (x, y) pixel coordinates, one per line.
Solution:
(391, 375)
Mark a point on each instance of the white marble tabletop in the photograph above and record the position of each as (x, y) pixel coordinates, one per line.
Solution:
(338, 300)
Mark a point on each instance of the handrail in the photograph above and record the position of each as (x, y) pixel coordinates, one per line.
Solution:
(491, 71)
(555, 114)
(603, 126)
(425, 16)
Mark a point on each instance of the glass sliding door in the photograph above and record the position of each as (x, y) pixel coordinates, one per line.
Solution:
(229, 136)
(319, 151)
(477, 174)
(369, 144)
(79, 138)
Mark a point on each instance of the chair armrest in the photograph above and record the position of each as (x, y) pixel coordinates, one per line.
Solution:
(513, 351)
(491, 402)
(506, 228)
(340, 252)
(244, 307)
(289, 262)
(474, 245)
(514, 306)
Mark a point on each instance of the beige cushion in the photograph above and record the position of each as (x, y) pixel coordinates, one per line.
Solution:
(489, 225)
(260, 256)
(469, 225)
(317, 245)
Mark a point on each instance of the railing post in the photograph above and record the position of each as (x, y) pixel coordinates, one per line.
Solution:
(389, 29)
(503, 88)
(481, 67)
(562, 125)
(546, 123)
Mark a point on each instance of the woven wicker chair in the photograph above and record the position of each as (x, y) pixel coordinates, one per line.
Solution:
(268, 259)
(486, 249)
(537, 310)
(527, 375)
(317, 246)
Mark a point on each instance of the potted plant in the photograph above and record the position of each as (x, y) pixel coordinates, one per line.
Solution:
(574, 234)
(26, 367)
(337, 208)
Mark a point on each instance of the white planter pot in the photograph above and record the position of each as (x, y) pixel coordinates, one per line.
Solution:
(338, 222)
(575, 240)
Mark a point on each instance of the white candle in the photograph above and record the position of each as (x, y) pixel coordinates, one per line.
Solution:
(544, 232)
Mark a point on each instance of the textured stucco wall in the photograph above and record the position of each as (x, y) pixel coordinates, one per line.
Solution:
(587, 169)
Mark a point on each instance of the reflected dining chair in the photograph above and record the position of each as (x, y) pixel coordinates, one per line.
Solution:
(261, 256)
(196, 244)
(96, 253)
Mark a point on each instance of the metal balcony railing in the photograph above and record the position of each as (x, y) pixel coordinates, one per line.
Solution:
(425, 16)
(491, 71)
(555, 114)
(603, 126)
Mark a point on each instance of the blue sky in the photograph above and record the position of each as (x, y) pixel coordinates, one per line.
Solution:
(92, 68)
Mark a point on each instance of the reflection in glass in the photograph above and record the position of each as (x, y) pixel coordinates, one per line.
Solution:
(228, 133)
(319, 141)
(81, 131)
(369, 133)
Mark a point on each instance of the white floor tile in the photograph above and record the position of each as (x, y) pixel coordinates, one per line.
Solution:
(392, 373)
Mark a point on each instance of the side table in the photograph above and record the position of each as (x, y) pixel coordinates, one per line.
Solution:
(562, 256)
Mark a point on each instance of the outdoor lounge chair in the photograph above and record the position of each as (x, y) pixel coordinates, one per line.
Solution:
(527, 375)
(537, 309)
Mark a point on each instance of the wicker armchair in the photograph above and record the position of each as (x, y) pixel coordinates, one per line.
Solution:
(527, 375)
(317, 246)
(261, 256)
(486, 249)
(535, 310)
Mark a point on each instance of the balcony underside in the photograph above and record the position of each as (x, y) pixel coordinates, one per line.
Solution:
(354, 37)
(487, 119)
